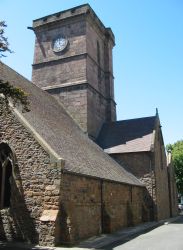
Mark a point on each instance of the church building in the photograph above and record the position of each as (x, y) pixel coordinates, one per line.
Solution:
(68, 169)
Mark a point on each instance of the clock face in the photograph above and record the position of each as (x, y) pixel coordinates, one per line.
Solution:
(59, 44)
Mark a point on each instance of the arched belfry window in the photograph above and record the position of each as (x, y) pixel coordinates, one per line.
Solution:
(6, 165)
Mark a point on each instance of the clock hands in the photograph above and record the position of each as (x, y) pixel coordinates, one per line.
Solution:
(59, 44)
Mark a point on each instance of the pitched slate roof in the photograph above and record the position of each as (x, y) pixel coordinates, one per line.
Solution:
(135, 135)
(50, 120)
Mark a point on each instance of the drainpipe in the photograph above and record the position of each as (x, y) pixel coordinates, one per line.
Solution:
(152, 186)
(150, 166)
(102, 206)
(169, 180)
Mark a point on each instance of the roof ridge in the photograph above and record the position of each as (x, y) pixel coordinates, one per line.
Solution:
(24, 78)
(17, 73)
(57, 128)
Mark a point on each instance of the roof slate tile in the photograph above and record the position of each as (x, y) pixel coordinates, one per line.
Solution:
(127, 136)
(51, 121)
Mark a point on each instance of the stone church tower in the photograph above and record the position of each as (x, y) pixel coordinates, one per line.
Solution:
(73, 62)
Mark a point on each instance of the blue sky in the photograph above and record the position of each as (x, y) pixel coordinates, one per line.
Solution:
(148, 56)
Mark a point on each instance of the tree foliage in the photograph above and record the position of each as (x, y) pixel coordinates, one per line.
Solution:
(17, 95)
(6, 90)
(4, 45)
(177, 158)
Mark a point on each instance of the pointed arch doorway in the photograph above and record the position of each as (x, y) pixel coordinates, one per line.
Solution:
(6, 173)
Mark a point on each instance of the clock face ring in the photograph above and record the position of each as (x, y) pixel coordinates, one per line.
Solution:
(59, 44)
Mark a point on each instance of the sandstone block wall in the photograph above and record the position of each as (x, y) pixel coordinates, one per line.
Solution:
(87, 59)
(99, 66)
(74, 30)
(172, 190)
(136, 163)
(161, 177)
(96, 112)
(92, 206)
(74, 99)
(58, 72)
(49, 207)
(123, 206)
(151, 169)
(80, 208)
(50, 68)
(140, 164)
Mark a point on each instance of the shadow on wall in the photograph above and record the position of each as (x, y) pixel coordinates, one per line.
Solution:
(148, 208)
(112, 218)
(107, 227)
(8, 245)
(15, 220)
(63, 228)
(130, 219)
(106, 221)
(24, 224)
(2, 232)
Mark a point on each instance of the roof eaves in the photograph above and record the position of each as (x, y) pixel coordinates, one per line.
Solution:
(103, 179)
(125, 152)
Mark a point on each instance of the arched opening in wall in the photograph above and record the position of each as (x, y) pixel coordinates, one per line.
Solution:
(5, 175)
(7, 185)
(0, 182)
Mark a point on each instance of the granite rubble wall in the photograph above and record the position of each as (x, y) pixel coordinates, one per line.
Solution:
(35, 186)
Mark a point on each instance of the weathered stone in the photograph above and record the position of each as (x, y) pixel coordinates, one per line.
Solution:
(50, 206)
(50, 188)
(151, 169)
(49, 215)
(28, 205)
(81, 77)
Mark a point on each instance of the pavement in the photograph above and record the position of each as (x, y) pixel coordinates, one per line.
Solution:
(99, 242)
(166, 237)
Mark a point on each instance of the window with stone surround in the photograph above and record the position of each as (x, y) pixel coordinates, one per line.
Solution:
(5, 175)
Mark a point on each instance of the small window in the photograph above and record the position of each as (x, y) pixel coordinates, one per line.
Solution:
(5, 176)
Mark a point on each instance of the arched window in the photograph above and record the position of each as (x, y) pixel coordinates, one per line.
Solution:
(5, 175)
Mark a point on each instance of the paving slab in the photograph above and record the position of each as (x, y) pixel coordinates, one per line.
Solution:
(124, 235)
